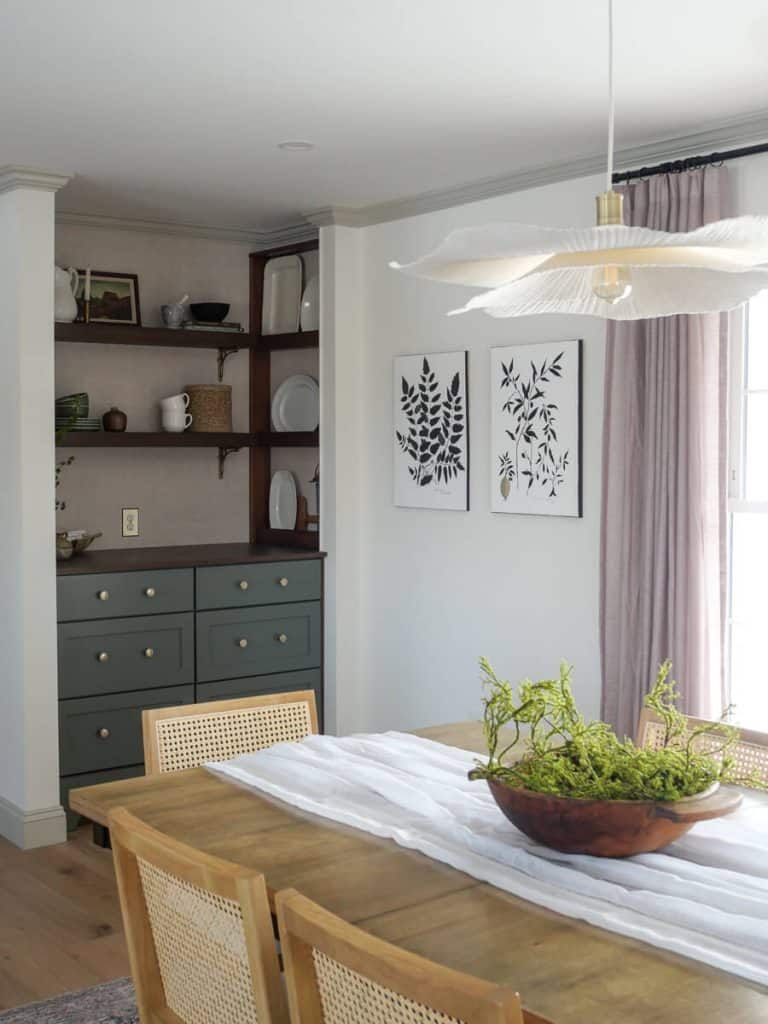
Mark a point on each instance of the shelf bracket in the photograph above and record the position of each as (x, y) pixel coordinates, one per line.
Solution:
(224, 454)
(224, 354)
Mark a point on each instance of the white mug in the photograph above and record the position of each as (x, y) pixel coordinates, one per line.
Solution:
(176, 421)
(175, 402)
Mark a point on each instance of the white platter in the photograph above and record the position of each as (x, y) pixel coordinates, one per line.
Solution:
(310, 305)
(282, 295)
(282, 501)
(296, 405)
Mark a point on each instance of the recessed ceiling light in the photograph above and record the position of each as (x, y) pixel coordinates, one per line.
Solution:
(296, 145)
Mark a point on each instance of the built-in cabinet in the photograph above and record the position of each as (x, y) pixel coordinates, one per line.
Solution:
(135, 633)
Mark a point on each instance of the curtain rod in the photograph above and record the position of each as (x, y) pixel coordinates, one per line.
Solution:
(690, 163)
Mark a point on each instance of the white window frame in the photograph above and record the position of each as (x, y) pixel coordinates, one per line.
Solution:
(737, 453)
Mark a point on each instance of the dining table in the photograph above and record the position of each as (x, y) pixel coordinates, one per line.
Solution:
(563, 968)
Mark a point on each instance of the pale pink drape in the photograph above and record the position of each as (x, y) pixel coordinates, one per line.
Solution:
(664, 482)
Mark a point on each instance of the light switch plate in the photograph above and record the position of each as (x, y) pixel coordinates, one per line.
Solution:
(130, 522)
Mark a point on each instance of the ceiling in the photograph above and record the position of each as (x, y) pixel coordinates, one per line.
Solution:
(172, 109)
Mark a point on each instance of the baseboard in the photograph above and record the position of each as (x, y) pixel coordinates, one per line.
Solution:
(28, 829)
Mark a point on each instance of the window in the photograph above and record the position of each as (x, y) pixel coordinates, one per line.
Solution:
(748, 507)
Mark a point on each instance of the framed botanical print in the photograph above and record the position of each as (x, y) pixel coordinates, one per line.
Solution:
(431, 431)
(536, 429)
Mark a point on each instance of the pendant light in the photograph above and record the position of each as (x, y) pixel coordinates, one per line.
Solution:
(609, 271)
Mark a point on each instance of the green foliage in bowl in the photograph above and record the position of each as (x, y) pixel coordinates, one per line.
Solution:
(566, 756)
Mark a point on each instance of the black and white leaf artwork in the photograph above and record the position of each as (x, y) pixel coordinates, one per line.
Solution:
(431, 430)
(535, 428)
(436, 426)
(535, 458)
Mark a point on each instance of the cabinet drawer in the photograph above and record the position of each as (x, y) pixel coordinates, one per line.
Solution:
(254, 641)
(125, 654)
(105, 732)
(238, 586)
(110, 595)
(253, 686)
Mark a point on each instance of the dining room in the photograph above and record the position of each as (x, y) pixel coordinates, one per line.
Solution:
(426, 685)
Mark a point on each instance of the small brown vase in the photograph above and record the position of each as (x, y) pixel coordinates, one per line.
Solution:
(114, 420)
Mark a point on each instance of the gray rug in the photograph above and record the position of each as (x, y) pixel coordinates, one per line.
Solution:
(110, 1003)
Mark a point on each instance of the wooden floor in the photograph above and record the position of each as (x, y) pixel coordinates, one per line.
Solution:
(60, 927)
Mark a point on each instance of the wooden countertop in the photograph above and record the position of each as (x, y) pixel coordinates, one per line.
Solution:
(178, 557)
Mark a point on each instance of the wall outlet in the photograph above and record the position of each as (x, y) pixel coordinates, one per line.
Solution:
(130, 522)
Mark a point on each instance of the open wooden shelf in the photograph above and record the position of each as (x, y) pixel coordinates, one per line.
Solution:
(288, 439)
(160, 439)
(129, 334)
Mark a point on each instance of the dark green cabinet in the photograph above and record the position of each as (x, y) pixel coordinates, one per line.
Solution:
(117, 594)
(242, 586)
(141, 639)
(247, 641)
(126, 654)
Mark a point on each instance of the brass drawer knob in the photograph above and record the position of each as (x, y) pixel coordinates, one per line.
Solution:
(242, 642)
(283, 581)
(281, 638)
(103, 657)
(149, 652)
(103, 595)
(243, 584)
(150, 592)
(104, 734)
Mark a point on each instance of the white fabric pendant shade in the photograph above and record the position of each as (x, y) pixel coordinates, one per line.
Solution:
(533, 270)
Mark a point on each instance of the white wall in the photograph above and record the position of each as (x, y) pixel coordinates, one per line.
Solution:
(439, 589)
(178, 492)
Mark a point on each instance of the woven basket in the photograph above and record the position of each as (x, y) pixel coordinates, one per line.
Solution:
(211, 408)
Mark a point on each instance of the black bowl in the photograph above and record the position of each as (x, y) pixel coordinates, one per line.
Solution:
(211, 312)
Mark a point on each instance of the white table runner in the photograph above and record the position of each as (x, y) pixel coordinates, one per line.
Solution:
(705, 896)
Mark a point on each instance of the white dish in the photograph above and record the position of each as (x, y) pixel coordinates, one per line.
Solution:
(282, 501)
(310, 305)
(282, 295)
(296, 405)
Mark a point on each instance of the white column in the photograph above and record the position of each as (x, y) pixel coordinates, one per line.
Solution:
(30, 810)
(341, 424)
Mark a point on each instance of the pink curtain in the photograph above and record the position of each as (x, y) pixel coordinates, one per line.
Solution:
(663, 544)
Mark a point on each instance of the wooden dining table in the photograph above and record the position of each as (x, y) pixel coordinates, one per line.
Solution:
(563, 968)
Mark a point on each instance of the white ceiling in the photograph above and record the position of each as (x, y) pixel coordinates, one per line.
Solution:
(172, 109)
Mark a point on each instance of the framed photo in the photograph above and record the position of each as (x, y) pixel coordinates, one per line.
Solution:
(114, 297)
(536, 429)
(431, 431)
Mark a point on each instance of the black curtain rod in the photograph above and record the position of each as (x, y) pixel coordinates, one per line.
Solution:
(690, 163)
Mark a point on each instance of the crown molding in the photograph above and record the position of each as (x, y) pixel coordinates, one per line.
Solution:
(723, 135)
(12, 177)
(290, 235)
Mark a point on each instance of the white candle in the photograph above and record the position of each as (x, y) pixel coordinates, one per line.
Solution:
(87, 289)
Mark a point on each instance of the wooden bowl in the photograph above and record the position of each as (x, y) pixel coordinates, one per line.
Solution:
(608, 828)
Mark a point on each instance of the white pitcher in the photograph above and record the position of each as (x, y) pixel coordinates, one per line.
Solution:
(65, 289)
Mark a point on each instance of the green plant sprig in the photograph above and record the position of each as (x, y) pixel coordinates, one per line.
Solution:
(567, 756)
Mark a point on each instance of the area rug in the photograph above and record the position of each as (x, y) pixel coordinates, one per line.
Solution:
(111, 1003)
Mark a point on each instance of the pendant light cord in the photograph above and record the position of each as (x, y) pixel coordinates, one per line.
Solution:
(609, 184)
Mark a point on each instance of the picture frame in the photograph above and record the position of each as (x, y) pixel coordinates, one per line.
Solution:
(114, 298)
(536, 429)
(431, 431)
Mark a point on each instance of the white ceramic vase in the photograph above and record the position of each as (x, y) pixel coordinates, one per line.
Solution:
(65, 288)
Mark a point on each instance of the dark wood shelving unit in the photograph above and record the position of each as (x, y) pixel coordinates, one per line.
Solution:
(260, 439)
(261, 402)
